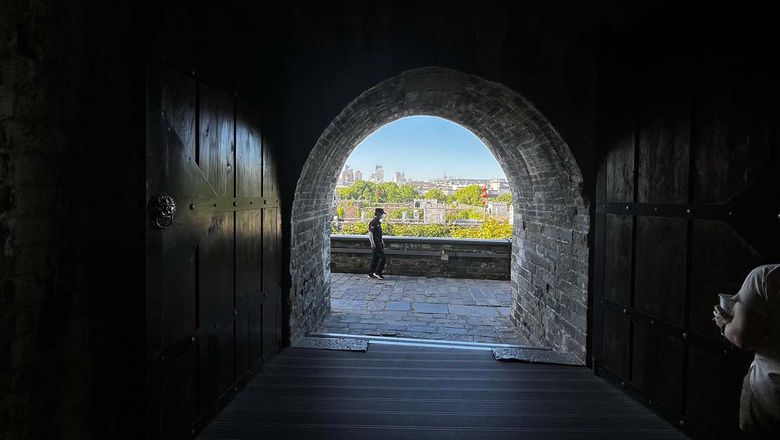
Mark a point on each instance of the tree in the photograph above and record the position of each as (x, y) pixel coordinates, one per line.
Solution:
(491, 228)
(345, 193)
(506, 197)
(407, 193)
(465, 214)
(340, 211)
(436, 194)
(387, 192)
(360, 190)
(469, 195)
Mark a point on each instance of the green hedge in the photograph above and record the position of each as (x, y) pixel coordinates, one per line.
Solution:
(491, 228)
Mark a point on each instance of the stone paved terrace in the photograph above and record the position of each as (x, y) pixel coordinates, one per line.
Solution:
(419, 307)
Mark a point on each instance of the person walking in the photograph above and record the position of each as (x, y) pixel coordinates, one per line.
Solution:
(754, 325)
(377, 244)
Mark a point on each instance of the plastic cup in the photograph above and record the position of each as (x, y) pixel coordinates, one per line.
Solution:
(727, 302)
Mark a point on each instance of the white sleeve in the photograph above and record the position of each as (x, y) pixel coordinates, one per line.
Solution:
(753, 294)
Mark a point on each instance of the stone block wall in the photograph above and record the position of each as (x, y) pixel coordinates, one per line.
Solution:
(550, 281)
(428, 257)
(310, 264)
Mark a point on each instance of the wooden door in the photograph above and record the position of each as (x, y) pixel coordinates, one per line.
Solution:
(687, 204)
(212, 247)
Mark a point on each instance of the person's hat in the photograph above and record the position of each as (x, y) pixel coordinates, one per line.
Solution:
(379, 211)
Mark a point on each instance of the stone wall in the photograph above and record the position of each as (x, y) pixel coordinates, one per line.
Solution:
(427, 257)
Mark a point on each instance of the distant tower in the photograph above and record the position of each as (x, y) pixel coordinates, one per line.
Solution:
(347, 176)
(400, 177)
(358, 176)
(379, 173)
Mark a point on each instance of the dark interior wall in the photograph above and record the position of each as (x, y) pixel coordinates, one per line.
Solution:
(71, 150)
(303, 62)
(72, 136)
(687, 204)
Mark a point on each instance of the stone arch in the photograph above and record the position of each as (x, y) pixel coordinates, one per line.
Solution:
(549, 243)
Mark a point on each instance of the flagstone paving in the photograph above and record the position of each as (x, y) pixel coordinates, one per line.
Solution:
(419, 307)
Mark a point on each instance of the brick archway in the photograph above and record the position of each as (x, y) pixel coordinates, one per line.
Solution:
(549, 241)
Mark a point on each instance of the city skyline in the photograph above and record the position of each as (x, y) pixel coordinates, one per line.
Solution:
(425, 148)
(357, 175)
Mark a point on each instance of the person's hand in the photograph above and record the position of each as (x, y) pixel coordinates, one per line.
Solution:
(721, 317)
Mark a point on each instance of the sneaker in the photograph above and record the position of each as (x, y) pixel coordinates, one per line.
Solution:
(376, 275)
(372, 275)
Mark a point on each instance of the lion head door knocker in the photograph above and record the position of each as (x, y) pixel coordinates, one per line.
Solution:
(161, 209)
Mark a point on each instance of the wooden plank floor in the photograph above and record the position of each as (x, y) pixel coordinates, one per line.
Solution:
(396, 392)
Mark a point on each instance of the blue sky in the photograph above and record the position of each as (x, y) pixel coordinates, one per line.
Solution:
(425, 147)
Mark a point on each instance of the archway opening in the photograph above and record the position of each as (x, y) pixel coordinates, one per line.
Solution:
(549, 261)
(431, 176)
(446, 238)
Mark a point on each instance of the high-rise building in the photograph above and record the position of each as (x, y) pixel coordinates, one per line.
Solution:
(347, 176)
(400, 177)
(379, 174)
(358, 175)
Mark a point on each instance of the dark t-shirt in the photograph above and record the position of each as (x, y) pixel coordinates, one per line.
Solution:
(375, 231)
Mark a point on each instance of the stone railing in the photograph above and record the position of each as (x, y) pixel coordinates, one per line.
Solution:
(429, 256)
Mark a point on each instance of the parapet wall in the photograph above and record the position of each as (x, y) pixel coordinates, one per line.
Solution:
(430, 257)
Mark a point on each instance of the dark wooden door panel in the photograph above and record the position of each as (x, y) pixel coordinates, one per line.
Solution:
(249, 158)
(179, 308)
(731, 124)
(213, 269)
(216, 364)
(171, 311)
(249, 264)
(706, 393)
(243, 360)
(657, 365)
(269, 174)
(661, 268)
(217, 133)
(618, 258)
(271, 288)
(180, 391)
(215, 301)
(178, 108)
(620, 159)
(255, 346)
(617, 332)
(664, 136)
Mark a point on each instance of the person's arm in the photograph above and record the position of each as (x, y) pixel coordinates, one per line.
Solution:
(745, 329)
(371, 235)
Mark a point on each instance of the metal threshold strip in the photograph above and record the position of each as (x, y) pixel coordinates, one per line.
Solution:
(501, 352)
(434, 343)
